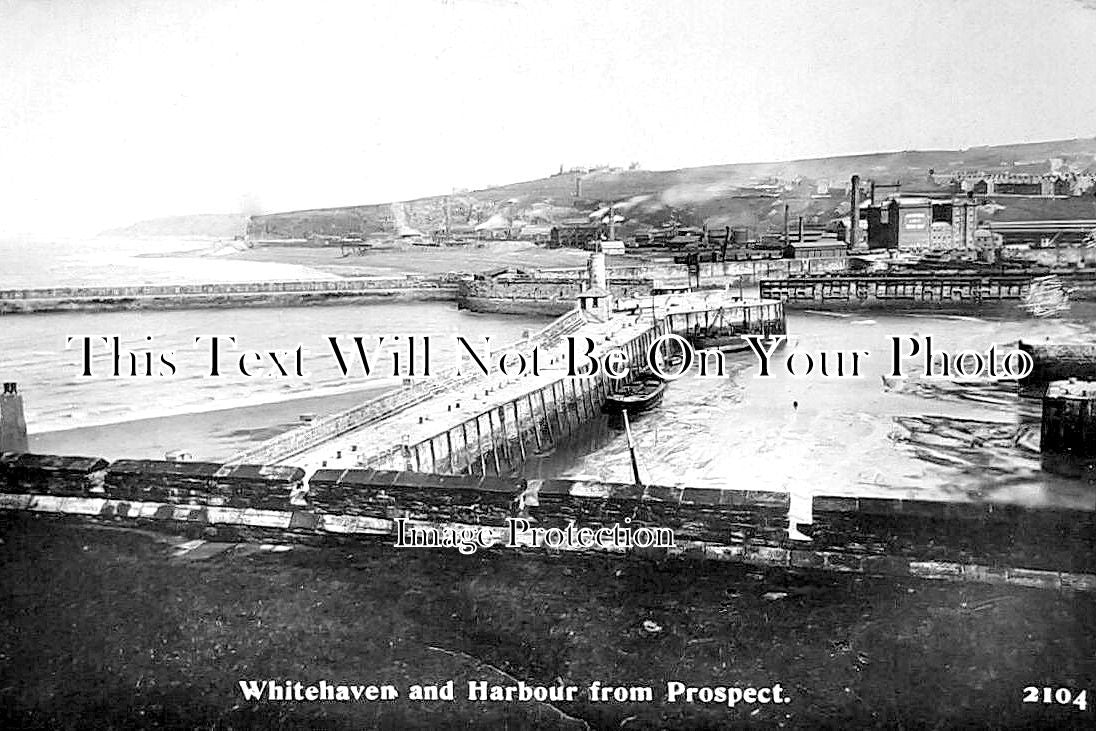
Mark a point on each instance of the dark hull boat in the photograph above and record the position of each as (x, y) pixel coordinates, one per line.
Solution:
(724, 343)
(727, 343)
(640, 395)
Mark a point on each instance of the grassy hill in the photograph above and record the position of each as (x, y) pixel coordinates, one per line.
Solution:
(749, 194)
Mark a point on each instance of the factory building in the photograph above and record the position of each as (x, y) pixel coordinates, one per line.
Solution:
(580, 234)
(919, 224)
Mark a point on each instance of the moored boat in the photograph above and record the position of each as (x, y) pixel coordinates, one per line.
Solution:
(639, 395)
(731, 343)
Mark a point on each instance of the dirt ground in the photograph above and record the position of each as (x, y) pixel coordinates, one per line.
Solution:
(106, 627)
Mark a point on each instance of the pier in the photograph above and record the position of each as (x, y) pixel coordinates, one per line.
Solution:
(227, 294)
(489, 424)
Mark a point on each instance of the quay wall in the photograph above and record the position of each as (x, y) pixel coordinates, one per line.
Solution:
(231, 294)
(960, 292)
(553, 291)
(540, 294)
(750, 270)
(943, 292)
(1041, 548)
(1056, 362)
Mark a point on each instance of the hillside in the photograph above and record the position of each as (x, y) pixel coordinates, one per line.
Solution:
(214, 225)
(749, 194)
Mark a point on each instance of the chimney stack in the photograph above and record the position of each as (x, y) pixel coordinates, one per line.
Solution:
(801, 229)
(854, 215)
(786, 242)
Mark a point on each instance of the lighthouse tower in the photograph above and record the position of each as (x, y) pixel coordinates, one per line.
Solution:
(596, 299)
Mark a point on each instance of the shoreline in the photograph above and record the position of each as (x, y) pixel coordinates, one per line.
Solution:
(208, 435)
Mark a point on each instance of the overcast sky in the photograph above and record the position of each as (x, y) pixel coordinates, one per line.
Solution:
(118, 110)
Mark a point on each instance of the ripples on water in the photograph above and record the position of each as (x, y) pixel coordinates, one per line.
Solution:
(844, 438)
(33, 348)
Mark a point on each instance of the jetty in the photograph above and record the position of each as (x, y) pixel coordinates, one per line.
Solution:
(469, 422)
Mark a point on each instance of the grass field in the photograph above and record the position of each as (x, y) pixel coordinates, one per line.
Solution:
(103, 627)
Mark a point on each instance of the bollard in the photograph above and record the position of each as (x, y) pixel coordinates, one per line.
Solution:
(13, 425)
(1067, 437)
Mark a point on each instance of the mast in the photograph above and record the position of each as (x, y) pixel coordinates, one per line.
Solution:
(632, 450)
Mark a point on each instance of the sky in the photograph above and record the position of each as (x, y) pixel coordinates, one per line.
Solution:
(112, 111)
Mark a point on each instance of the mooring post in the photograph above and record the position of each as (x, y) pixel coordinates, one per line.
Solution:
(517, 426)
(13, 425)
(556, 410)
(504, 432)
(545, 416)
(494, 443)
(575, 403)
(449, 448)
(580, 415)
(533, 419)
(464, 446)
(479, 446)
(585, 388)
(1068, 431)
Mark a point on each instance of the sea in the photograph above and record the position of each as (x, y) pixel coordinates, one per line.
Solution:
(860, 434)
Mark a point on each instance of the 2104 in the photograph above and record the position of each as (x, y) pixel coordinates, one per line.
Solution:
(1060, 696)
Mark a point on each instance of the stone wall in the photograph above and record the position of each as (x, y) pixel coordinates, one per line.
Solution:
(1043, 548)
(233, 294)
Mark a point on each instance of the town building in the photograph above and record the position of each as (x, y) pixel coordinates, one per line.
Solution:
(921, 224)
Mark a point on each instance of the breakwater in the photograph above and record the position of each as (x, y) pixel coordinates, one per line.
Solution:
(545, 292)
(538, 294)
(233, 294)
(1043, 548)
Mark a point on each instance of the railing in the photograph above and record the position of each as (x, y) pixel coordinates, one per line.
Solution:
(306, 437)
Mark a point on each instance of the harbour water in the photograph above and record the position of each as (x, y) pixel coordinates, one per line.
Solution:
(835, 435)
(102, 261)
(58, 396)
(848, 435)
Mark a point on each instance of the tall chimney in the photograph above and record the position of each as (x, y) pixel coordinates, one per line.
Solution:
(13, 426)
(612, 224)
(578, 187)
(854, 216)
(801, 229)
(786, 224)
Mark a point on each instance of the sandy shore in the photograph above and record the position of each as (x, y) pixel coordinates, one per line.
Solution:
(211, 436)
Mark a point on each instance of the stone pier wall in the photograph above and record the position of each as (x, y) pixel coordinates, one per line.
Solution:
(1001, 544)
(498, 440)
(232, 294)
